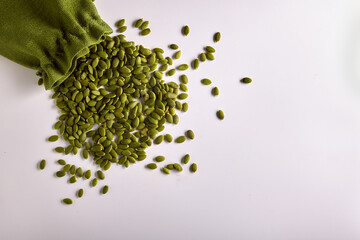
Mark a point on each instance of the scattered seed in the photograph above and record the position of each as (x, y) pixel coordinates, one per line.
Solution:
(42, 164)
(159, 139)
(178, 167)
(177, 55)
(145, 32)
(151, 166)
(159, 158)
(193, 167)
(190, 134)
(217, 37)
(210, 49)
(67, 201)
(79, 172)
(87, 174)
(138, 23)
(120, 23)
(122, 29)
(209, 56)
(206, 81)
(195, 63)
(60, 173)
(53, 138)
(94, 182)
(246, 80)
(215, 91)
(100, 175)
(61, 162)
(170, 166)
(165, 170)
(184, 79)
(202, 57)
(66, 168)
(144, 25)
(171, 72)
(220, 114)
(173, 46)
(182, 96)
(73, 179)
(105, 189)
(168, 138)
(185, 159)
(186, 30)
(80, 193)
(59, 149)
(180, 139)
(182, 67)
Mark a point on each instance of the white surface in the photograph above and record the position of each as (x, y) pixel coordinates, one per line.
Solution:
(284, 164)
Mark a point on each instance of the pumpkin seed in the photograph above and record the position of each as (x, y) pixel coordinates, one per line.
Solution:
(53, 138)
(105, 189)
(185, 159)
(190, 134)
(67, 201)
(217, 37)
(151, 166)
(60, 173)
(145, 32)
(186, 30)
(184, 79)
(80, 193)
(42, 164)
(138, 23)
(173, 46)
(61, 162)
(87, 174)
(59, 149)
(159, 158)
(195, 63)
(209, 49)
(178, 167)
(220, 114)
(193, 167)
(180, 139)
(94, 182)
(168, 138)
(206, 81)
(215, 91)
(100, 175)
(182, 67)
(165, 170)
(246, 80)
(177, 55)
(159, 139)
(73, 179)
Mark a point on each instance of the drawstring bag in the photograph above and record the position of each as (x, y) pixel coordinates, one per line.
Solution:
(49, 35)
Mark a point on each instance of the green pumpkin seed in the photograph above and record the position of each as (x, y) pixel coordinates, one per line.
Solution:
(72, 169)
(170, 166)
(159, 159)
(165, 170)
(217, 37)
(61, 162)
(195, 64)
(80, 193)
(209, 49)
(206, 81)
(59, 149)
(145, 32)
(66, 168)
(190, 134)
(53, 138)
(67, 201)
(183, 87)
(185, 159)
(42, 164)
(144, 25)
(173, 46)
(215, 91)
(202, 57)
(182, 96)
(182, 67)
(220, 114)
(159, 139)
(171, 72)
(138, 23)
(94, 182)
(246, 80)
(186, 30)
(185, 107)
(209, 56)
(178, 167)
(73, 179)
(79, 172)
(168, 138)
(151, 166)
(177, 55)
(122, 29)
(60, 173)
(105, 189)
(180, 139)
(87, 174)
(184, 79)
(100, 175)
(193, 167)
(120, 23)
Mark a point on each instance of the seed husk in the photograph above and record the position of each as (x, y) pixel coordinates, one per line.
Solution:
(185, 159)
(246, 80)
(193, 167)
(61, 162)
(165, 170)
(94, 182)
(145, 32)
(59, 149)
(220, 114)
(177, 55)
(209, 49)
(173, 46)
(159, 159)
(184, 79)
(180, 139)
(217, 37)
(138, 23)
(206, 81)
(159, 139)
(182, 67)
(178, 167)
(67, 201)
(190, 134)
(168, 138)
(195, 64)
(80, 193)
(42, 164)
(100, 175)
(185, 30)
(60, 173)
(171, 72)
(105, 189)
(215, 91)
(73, 179)
(87, 174)
(53, 138)
(151, 166)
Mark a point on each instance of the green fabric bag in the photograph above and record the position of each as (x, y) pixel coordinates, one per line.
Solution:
(49, 35)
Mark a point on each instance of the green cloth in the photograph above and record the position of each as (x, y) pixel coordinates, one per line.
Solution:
(49, 35)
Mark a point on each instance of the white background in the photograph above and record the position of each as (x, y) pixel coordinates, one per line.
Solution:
(284, 164)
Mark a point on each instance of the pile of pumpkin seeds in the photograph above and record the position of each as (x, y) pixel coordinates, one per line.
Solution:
(116, 104)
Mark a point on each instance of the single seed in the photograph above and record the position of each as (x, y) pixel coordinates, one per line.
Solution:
(159, 139)
(42, 164)
(159, 158)
(193, 167)
(177, 55)
(165, 170)
(67, 201)
(215, 91)
(145, 32)
(40, 81)
(220, 114)
(209, 56)
(79, 172)
(186, 30)
(173, 46)
(87, 174)
(144, 25)
(206, 81)
(122, 29)
(171, 72)
(170, 166)
(180, 139)
(210, 49)
(182, 96)
(168, 138)
(185, 159)
(185, 107)
(183, 87)
(138, 23)
(202, 57)
(53, 138)
(94, 182)
(61, 162)
(72, 170)
(151, 166)
(66, 168)
(182, 67)
(178, 167)
(195, 63)
(59, 149)
(105, 189)
(246, 80)
(73, 179)
(120, 23)
(190, 134)
(60, 173)
(80, 193)
(100, 175)
(217, 37)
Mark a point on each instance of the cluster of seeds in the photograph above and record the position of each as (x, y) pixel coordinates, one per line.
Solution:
(116, 102)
